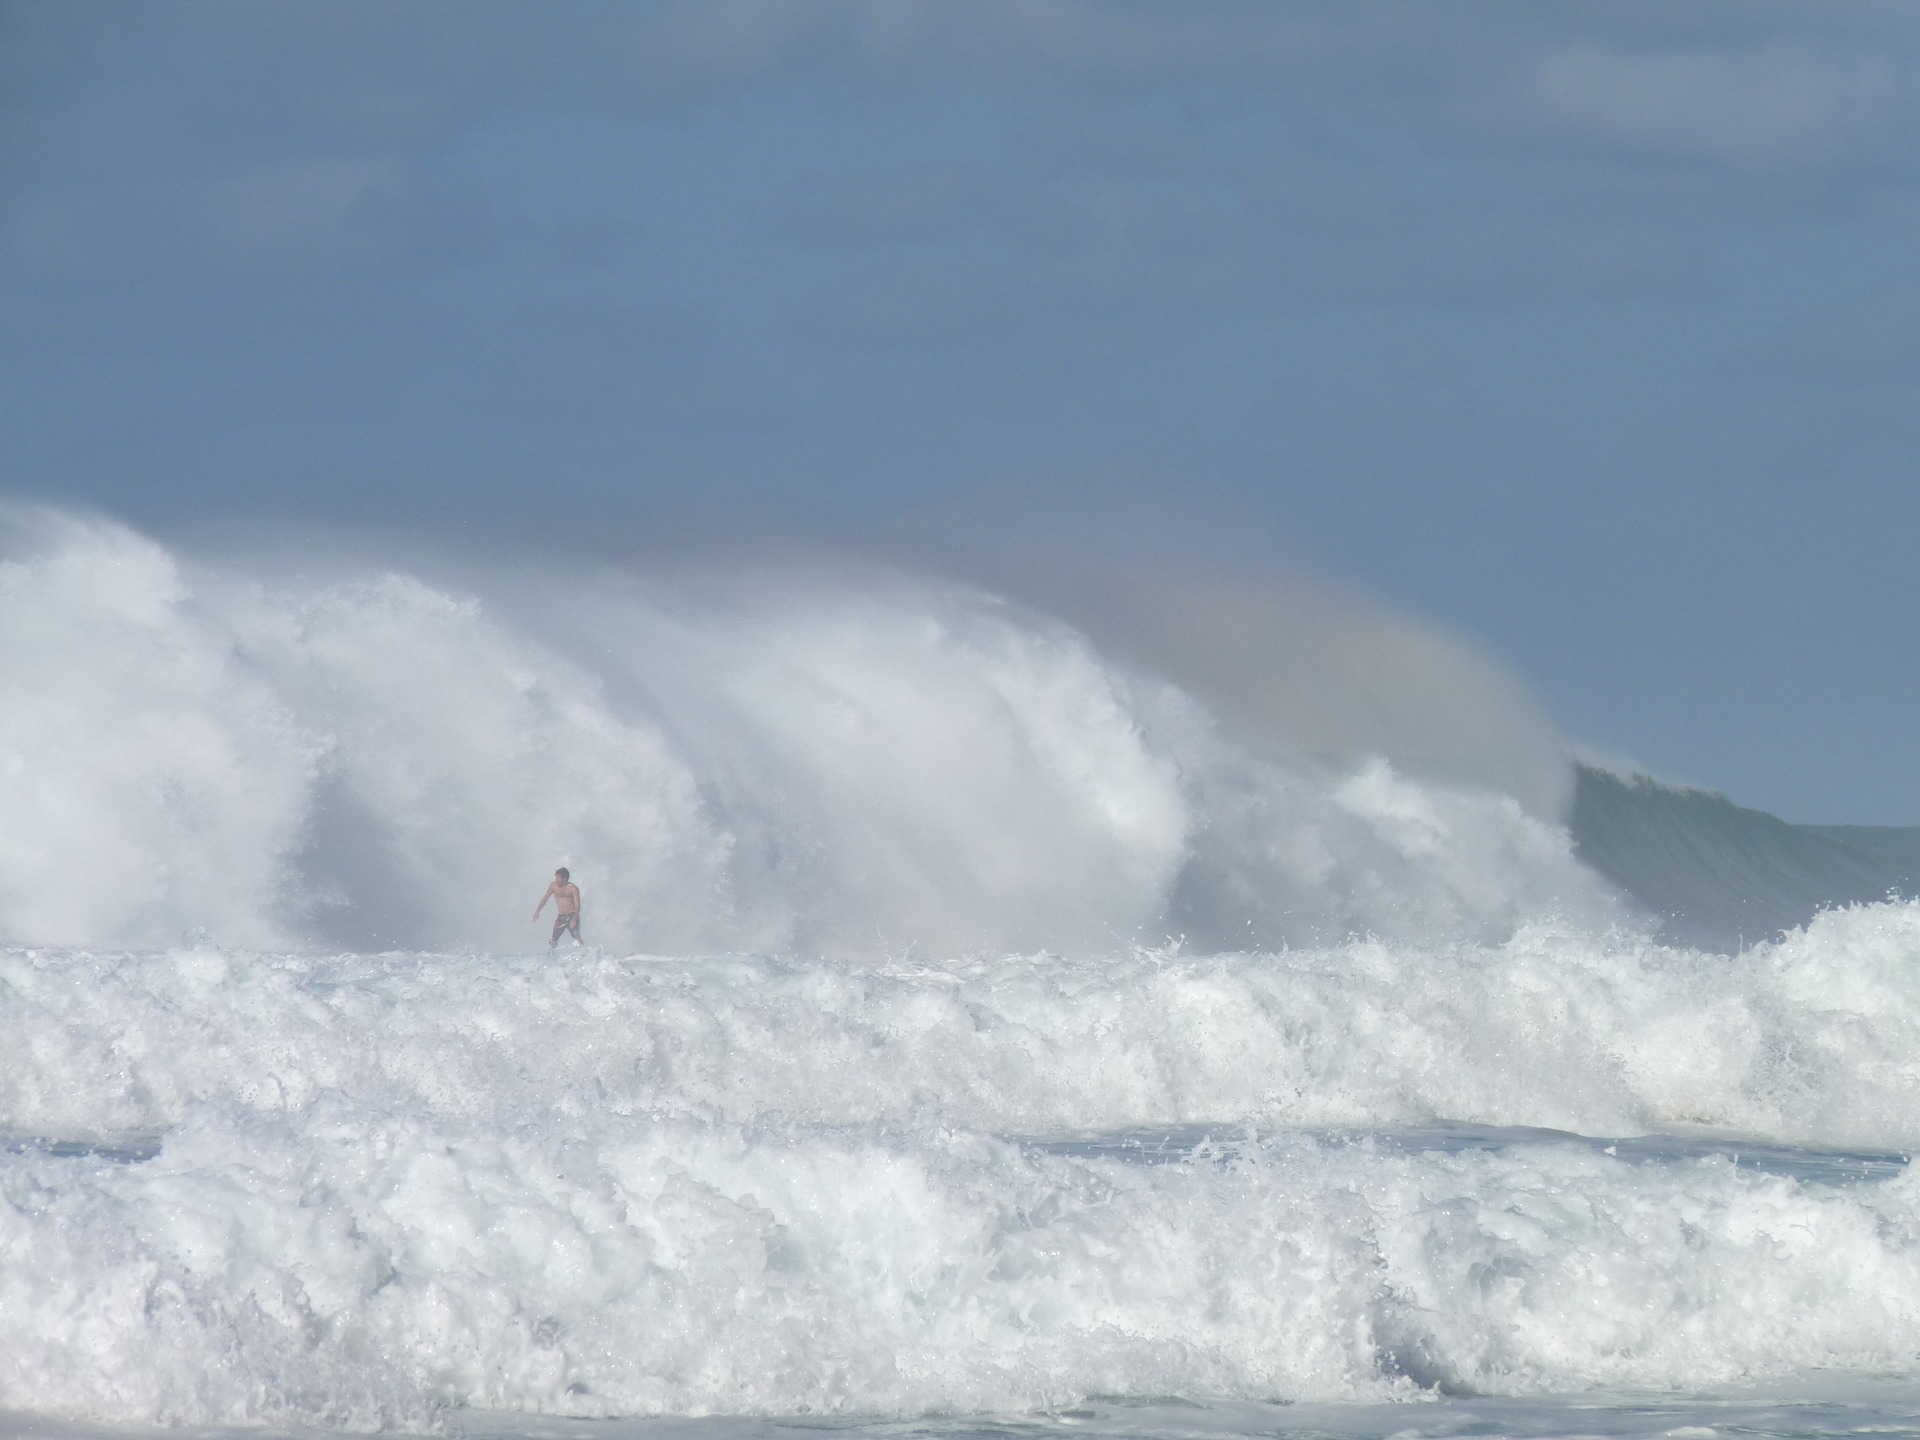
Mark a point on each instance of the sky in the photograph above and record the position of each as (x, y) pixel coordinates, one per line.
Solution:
(1590, 332)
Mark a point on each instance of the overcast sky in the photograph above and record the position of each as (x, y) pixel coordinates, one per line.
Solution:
(1589, 330)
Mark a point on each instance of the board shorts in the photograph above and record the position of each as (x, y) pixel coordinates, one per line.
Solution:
(564, 923)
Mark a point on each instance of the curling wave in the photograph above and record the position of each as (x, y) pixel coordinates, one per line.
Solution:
(836, 763)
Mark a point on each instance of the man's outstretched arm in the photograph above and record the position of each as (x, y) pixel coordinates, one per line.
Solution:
(543, 902)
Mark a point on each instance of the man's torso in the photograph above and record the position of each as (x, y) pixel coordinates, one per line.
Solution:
(567, 898)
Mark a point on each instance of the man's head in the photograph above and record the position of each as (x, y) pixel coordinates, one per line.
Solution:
(561, 874)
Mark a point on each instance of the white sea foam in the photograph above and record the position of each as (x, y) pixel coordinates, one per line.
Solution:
(1815, 1039)
(847, 763)
(148, 782)
(373, 1186)
(357, 1270)
(945, 1120)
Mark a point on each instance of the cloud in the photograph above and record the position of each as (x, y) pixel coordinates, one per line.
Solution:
(1782, 102)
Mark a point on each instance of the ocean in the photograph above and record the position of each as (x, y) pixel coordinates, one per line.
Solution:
(975, 1038)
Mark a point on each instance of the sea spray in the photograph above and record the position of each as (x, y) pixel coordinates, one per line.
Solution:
(842, 762)
(971, 1026)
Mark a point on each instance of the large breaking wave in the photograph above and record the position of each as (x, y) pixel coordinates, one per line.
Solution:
(973, 1024)
(820, 762)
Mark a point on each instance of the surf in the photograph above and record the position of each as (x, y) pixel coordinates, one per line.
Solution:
(384, 1188)
(981, 1021)
(828, 760)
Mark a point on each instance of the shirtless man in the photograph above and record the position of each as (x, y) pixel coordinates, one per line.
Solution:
(566, 906)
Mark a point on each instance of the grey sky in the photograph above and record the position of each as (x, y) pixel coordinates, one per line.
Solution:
(1592, 331)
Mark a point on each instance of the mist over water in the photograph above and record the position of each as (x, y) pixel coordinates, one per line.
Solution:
(827, 760)
(980, 1017)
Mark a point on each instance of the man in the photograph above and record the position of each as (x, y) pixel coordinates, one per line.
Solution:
(566, 906)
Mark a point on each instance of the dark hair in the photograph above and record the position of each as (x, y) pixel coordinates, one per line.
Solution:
(563, 873)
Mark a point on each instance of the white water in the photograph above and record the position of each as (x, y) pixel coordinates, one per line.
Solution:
(857, 763)
(942, 1124)
(352, 1190)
